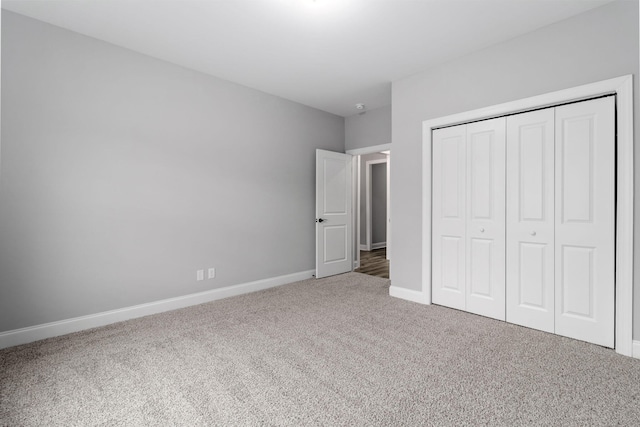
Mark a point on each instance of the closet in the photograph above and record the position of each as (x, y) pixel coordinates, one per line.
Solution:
(523, 221)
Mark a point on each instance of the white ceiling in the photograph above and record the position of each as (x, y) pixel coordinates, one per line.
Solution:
(328, 54)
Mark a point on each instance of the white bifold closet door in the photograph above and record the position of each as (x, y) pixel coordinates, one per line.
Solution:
(449, 217)
(530, 219)
(469, 217)
(561, 220)
(585, 221)
(485, 218)
(548, 262)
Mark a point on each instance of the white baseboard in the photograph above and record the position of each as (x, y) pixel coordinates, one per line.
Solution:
(54, 329)
(364, 247)
(636, 349)
(407, 294)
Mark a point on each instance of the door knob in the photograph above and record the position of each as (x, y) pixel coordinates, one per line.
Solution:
(482, 230)
(320, 220)
(533, 233)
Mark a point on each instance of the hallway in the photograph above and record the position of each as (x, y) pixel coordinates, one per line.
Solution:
(374, 263)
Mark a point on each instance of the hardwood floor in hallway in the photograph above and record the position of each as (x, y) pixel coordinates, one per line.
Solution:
(374, 263)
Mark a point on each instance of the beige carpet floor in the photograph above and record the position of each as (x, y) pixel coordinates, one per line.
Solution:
(329, 352)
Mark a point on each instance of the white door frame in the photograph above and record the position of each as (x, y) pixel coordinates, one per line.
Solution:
(622, 87)
(368, 202)
(356, 153)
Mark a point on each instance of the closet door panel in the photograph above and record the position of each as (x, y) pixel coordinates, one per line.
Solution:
(585, 221)
(485, 243)
(530, 220)
(449, 212)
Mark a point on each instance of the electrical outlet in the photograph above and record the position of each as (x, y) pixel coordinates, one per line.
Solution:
(212, 273)
(200, 275)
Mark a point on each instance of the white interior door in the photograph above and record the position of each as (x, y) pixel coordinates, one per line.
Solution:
(530, 219)
(334, 240)
(449, 213)
(485, 230)
(585, 221)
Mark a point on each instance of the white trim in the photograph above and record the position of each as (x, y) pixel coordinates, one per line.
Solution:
(369, 200)
(357, 152)
(363, 246)
(369, 150)
(624, 218)
(623, 88)
(407, 294)
(636, 349)
(378, 245)
(426, 212)
(355, 220)
(388, 252)
(356, 265)
(53, 329)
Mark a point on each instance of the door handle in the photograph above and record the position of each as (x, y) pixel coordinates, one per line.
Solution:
(533, 233)
(320, 220)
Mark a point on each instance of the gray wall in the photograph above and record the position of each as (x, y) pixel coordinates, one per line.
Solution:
(363, 192)
(122, 174)
(368, 129)
(378, 203)
(597, 45)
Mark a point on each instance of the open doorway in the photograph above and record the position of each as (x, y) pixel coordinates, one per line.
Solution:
(372, 219)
